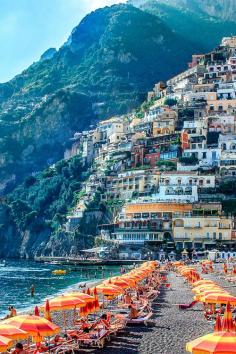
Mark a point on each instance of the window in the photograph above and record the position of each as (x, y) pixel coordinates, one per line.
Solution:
(220, 235)
(204, 155)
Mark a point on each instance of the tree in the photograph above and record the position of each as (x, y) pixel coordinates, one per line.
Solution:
(170, 102)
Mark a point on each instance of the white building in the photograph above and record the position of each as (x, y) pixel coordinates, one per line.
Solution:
(183, 186)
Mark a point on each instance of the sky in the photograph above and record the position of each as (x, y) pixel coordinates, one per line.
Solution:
(29, 27)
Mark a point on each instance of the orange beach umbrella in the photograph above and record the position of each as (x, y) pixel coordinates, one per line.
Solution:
(122, 283)
(34, 325)
(203, 282)
(109, 289)
(12, 332)
(47, 314)
(220, 299)
(61, 303)
(217, 343)
(82, 296)
(5, 343)
(227, 321)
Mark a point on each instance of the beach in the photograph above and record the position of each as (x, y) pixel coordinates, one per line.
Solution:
(170, 328)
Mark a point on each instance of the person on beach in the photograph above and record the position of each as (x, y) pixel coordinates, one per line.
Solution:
(32, 290)
(12, 312)
(19, 349)
(133, 314)
(127, 298)
(105, 321)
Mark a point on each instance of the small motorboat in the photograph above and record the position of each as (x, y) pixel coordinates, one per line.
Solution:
(59, 272)
(3, 264)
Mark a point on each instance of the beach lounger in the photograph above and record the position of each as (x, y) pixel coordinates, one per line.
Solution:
(68, 347)
(140, 320)
(94, 338)
(118, 323)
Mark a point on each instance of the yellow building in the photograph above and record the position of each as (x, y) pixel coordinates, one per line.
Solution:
(201, 231)
(220, 105)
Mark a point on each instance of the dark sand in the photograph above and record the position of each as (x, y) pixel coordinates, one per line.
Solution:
(170, 328)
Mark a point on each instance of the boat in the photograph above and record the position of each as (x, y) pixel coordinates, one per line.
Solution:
(3, 264)
(59, 272)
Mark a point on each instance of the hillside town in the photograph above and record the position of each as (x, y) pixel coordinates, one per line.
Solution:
(167, 171)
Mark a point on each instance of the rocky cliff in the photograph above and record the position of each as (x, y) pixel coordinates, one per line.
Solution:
(32, 218)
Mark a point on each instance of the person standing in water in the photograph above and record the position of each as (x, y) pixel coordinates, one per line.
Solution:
(32, 290)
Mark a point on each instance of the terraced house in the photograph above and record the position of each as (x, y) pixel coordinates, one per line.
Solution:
(167, 171)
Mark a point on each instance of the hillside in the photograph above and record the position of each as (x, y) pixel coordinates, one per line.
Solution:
(190, 20)
(31, 218)
(106, 67)
(223, 9)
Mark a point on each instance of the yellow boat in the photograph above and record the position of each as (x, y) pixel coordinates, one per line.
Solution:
(59, 272)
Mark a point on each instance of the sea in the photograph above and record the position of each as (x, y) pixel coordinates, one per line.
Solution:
(17, 277)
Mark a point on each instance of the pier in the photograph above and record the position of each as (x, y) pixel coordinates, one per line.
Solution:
(89, 262)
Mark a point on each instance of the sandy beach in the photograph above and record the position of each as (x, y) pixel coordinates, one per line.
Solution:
(171, 328)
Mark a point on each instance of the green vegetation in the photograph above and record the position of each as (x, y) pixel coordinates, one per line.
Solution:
(228, 186)
(229, 206)
(75, 79)
(190, 22)
(170, 102)
(42, 202)
(168, 165)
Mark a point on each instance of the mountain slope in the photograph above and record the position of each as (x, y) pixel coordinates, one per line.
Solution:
(106, 67)
(223, 9)
(190, 21)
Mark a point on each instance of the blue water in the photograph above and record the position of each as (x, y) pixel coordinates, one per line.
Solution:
(18, 276)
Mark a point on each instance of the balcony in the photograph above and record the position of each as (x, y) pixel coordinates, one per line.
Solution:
(193, 227)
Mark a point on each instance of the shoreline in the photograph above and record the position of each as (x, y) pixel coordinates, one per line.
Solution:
(28, 303)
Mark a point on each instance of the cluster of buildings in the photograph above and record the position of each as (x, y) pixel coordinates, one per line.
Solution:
(161, 168)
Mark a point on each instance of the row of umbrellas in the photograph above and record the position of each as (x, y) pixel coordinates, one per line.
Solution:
(24, 326)
(223, 339)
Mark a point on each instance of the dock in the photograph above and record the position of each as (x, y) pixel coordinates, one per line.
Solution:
(89, 262)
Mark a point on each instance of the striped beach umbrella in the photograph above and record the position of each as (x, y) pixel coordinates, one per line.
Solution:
(47, 313)
(220, 299)
(218, 326)
(90, 301)
(5, 343)
(122, 283)
(203, 282)
(227, 321)
(35, 326)
(65, 302)
(214, 343)
(36, 311)
(214, 292)
(82, 296)
(12, 332)
(111, 290)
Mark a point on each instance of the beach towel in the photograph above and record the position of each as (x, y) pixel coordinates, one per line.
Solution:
(185, 306)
